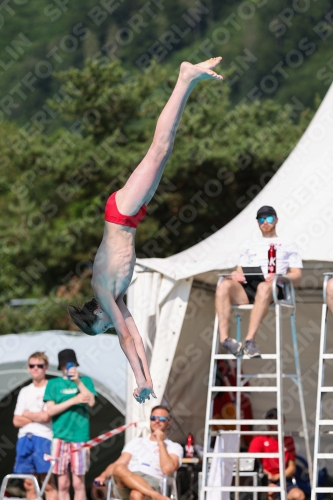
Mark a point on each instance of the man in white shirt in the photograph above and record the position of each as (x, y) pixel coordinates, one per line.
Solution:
(144, 461)
(236, 290)
(35, 432)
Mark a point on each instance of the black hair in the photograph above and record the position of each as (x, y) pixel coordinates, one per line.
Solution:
(160, 407)
(272, 413)
(84, 317)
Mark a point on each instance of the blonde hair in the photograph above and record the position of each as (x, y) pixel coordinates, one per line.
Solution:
(40, 355)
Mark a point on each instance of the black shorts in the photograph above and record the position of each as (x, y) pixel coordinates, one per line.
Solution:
(289, 483)
(251, 290)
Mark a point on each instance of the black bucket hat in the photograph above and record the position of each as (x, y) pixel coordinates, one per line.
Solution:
(66, 356)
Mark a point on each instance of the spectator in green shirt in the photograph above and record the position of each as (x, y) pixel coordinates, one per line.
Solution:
(67, 399)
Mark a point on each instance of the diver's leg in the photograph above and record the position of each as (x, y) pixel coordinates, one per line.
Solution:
(142, 184)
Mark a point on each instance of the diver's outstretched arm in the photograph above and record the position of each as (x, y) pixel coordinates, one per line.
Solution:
(142, 392)
(130, 342)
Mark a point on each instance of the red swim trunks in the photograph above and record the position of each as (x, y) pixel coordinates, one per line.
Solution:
(112, 214)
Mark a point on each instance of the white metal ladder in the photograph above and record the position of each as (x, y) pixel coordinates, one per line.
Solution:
(321, 391)
(39, 490)
(288, 302)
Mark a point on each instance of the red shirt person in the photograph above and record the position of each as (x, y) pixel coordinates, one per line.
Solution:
(269, 444)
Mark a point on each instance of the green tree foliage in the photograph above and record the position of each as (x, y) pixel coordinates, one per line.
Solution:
(38, 40)
(54, 187)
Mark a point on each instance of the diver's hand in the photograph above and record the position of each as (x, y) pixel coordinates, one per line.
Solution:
(143, 392)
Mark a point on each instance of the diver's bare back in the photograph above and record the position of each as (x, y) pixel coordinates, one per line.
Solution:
(114, 261)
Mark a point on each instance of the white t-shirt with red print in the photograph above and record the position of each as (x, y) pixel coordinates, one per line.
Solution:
(255, 253)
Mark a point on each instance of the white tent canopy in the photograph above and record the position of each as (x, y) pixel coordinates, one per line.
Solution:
(100, 357)
(301, 193)
(173, 305)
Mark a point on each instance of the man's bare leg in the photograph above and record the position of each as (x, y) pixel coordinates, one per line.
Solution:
(126, 478)
(79, 487)
(63, 486)
(296, 494)
(228, 292)
(143, 182)
(262, 301)
(30, 490)
(136, 495)
(329, 295)
(50, 489)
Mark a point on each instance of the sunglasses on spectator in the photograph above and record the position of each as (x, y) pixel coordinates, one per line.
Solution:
(160, 419)
(269, 218)
(38, 366)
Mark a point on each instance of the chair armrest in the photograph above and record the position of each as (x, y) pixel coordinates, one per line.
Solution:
(165, 485)
(327, 277)
(221, 277)
(289, 300)
(108, 491)
(170, 478)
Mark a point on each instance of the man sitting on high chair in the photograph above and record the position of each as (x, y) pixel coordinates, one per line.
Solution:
(139, 470)
(236, 290)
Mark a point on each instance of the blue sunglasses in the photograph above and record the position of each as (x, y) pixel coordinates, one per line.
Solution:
(269, 218)
(161, 419)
